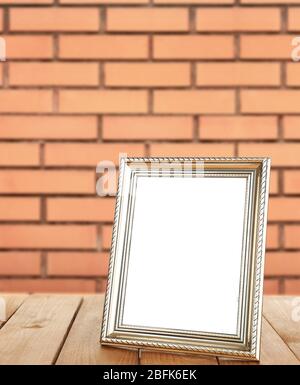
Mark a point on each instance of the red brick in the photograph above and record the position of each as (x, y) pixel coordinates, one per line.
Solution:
(293, 73)
(194, 2)
(284, 209)
(47, 182)
(274, 180)
(106, 237)
(266, 46)
(20, 263)
(103, 47)
(80, 209)
(147, 128)
(259, 2)
(270, 101)
(272, 237)
(54, 19)
(282, 154)
(237, 127)
(291, 182)
(1, 19)
(192, 149)
(19, 154)
(293, 18)
(292, 286)
(238, 19)
(12, 2)
(29, 46)
(98, 123)
(292, 236)
(48, 127)
(103, 1)
(283, 264)
(54, 74)
(147, 19)
(291, 126)
(107, 101)
(238, 74)
(48, 236)
(26, 101)
(48, 285)
(271, 286)
(88, 154)
(193, 47)
(147, 74)
(190, 101)
(19, 209)
(77, 264)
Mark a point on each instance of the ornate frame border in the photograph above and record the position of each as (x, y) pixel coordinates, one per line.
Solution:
(250, 350)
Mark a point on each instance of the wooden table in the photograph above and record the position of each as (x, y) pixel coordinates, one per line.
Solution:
(65, 329)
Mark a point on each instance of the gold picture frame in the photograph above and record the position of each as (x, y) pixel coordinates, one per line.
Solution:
(244, 341)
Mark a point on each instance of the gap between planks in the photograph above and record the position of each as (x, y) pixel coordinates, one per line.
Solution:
(82, 346)
(283, 313)
(36, 332)
(65, 329)
(274, 350)
(67, 332)
(12, 304)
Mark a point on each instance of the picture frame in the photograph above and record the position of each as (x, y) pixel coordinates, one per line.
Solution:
(187, 256)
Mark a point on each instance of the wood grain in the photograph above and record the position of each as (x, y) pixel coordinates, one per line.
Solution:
(65, 329)
(83, 343)
(274, 351)
(12, 303)
(35, 333)
(283, 313)
(157, 358)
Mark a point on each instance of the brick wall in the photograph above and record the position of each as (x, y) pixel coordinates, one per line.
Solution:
(87, 79)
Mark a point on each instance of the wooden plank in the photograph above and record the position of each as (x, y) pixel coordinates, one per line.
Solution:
(274, 350)
(157, 358)
(283, 313)
(11, 303)
(83, 343)
(35, 333)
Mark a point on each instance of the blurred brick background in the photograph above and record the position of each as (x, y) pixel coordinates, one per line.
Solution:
(87, 79)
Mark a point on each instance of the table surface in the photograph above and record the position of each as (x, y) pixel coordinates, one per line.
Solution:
(65, 329)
